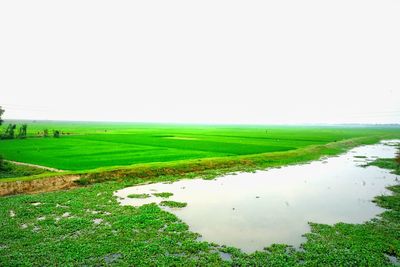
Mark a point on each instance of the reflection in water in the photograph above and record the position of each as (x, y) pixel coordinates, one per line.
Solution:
(254, 210)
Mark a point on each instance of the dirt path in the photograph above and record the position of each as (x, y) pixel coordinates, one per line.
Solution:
(34, 165)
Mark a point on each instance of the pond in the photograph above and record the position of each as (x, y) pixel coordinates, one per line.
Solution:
(251, 211)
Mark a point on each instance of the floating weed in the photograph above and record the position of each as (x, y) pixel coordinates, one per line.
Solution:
(163, 194)
(360, 157)
(139, 196)
(173, 204)
(390, 164)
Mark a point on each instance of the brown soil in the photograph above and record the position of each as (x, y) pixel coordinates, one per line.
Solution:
(39, 185)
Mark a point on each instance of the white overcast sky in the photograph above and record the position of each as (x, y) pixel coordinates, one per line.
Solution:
(201, 61)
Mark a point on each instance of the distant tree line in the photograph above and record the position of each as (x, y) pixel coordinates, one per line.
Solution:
(10, 132)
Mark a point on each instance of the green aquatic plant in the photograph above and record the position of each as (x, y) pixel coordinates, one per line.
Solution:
(390, 164)
(163, 194)
(139, 196)
(173, 204)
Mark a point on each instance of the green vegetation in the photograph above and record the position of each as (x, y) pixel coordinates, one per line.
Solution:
(173, 204)
(386, 164)
(163, 194)
(87, 146)
(139, 196)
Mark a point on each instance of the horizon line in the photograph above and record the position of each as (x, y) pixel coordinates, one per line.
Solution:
(210, 123)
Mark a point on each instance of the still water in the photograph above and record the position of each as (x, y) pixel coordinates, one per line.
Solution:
(253, 210)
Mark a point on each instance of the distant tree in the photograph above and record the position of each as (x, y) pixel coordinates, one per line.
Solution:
(1, 122)
(46, 133)
(1, 114)
(56, 133)
(398, 158)
(9, 133)
(22, 131)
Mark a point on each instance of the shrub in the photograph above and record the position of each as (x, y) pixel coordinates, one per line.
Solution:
(56, 133)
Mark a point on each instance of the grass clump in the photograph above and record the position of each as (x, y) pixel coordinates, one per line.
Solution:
(139, 196)
(173, 204)
(163, 194)
(390, 164)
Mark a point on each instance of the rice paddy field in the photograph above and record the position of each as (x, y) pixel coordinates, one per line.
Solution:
(85, 146)
(85, 225)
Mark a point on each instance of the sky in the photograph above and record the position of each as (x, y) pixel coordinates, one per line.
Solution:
(208, 61)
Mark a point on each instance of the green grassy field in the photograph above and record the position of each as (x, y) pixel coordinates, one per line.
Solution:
(86, 146)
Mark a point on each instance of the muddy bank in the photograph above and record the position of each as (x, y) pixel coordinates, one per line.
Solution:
(39, 185)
